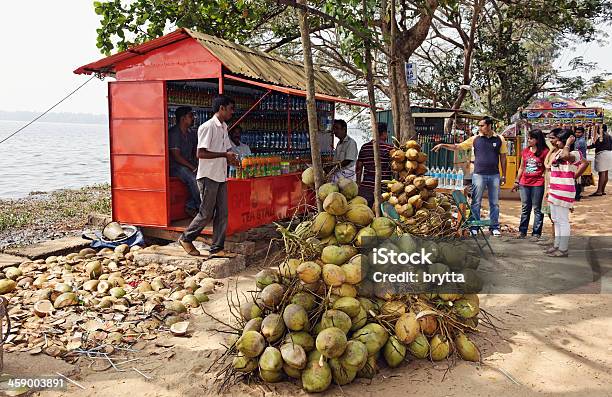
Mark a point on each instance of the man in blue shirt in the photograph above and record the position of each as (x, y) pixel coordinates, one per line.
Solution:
(183, 163)
(581, 145)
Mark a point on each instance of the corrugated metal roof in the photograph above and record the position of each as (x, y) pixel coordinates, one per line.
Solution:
(263, 66)
(236, 58)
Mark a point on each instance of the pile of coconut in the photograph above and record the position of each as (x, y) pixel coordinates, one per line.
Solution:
(87, 299)
(422, 210)
(317, 318)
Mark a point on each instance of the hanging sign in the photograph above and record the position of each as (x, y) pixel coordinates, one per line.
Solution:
(411, 73)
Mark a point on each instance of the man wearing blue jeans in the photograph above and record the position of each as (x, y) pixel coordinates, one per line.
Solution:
(489, 152)
(183, 163)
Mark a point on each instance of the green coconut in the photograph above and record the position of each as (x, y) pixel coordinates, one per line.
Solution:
(301, 338)
(466, 348)
(348, 305)
(358, 200)
(93, 269)
(355, 355)
(393, 308)
(295, 317)
(394, 352)
(271, 359)
(439, 348)
(466, 308)
(270, 376)
(360, 215)
(323, 225)
(333, 275)
(359, 320)
(338, 255)
(66, 299)
(335, 204)
(308, 177)
(251, 344)
(373, 335)
(454, 256)
(355, 269)
(304, 299)
(289, 267)
(266, 277)
(294, 355)
(428, 324)
(348, 188)
(367, 304)
(292, 372)
(253, 324)
(407, 243)
(345, 290)
(7, 285)
(340, 374)
(345, 232)
(364, 233)
(309, 272)
(250, 310)
(472, 283)
(407, 327)
(331, 342)
(316, 377)
(331, 240)
(272, 295)
(370, 369)
(244, 364)
(273, 327)
(383, 226)
(419, 347)
(336, 318)
(12, 273)
(326, 189)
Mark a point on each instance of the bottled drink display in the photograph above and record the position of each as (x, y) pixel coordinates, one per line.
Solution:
(275, 130)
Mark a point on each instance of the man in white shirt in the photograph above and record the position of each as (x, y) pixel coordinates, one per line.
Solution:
(238, 147)
(346, 151)
(213, 154)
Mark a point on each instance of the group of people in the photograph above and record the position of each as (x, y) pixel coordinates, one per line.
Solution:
(548, 179)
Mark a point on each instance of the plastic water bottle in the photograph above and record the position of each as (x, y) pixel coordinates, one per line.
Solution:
(453, 179)
(459, 181)
(436, 174)
(447, 178)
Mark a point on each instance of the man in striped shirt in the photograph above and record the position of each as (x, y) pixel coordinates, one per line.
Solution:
(365, 166)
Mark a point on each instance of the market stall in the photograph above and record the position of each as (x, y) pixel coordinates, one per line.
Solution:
(547, 113)
(188, 68)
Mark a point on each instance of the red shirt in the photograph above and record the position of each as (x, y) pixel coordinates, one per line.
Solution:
(533, 168)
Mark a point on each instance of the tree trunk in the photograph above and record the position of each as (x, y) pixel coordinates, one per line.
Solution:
(392, 65)
(375, 132)
(311, 108)
(405, 114)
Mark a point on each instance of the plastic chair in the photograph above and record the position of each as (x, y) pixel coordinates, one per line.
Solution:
(471, 223)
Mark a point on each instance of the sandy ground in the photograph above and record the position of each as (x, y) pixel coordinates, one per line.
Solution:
(552, 345)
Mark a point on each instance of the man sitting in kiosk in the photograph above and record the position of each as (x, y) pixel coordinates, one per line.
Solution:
(241, 149)
(183, 163)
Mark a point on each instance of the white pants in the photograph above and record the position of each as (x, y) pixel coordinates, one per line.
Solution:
(560, 217)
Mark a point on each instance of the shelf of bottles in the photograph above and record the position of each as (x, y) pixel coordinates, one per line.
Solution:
(443, 158)
(265, 129)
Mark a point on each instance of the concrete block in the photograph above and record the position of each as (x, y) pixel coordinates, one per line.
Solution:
(7, 260)
(224, 267)
(47, 248)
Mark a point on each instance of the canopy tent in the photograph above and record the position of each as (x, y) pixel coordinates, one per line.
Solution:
(556, 110)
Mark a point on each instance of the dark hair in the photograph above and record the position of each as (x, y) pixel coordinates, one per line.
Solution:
(341, 123)
(579, 128)
(540, 142)
(236, 128)
(221, 100)
(181, 111)
(382, 127)
(488, 120)
(563, 134)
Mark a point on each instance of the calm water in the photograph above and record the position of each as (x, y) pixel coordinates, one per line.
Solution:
(50, 156)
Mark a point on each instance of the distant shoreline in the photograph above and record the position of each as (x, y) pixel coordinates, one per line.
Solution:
(75, 118)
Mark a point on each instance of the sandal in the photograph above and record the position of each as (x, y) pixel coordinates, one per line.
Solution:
(189, 248)
(596, 194)
(550, 250)
(558, 254)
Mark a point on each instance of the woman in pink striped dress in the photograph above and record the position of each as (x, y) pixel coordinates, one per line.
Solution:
(562, 189)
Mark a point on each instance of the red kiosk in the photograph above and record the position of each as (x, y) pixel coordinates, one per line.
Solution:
(187, 68)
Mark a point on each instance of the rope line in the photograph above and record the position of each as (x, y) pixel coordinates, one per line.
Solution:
(48, 110)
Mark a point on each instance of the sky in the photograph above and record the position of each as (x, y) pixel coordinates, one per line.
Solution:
(42, 42)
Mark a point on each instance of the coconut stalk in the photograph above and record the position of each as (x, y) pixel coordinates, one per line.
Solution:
(374, 125)
(313, 127)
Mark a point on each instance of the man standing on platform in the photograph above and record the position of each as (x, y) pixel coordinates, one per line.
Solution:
(489, 152)
(183, 163)
(214, 154)
(366, 166)
(346, 151)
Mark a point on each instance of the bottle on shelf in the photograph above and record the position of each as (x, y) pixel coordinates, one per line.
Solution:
(459, 180)
(452, 179)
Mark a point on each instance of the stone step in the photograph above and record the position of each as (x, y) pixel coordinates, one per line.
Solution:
(47, 248)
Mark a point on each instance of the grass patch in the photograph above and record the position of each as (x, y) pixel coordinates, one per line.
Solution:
(11, 219)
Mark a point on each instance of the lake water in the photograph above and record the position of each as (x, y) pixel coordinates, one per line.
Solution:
(50, 156)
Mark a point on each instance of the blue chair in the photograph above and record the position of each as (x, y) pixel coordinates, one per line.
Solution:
(469, 222)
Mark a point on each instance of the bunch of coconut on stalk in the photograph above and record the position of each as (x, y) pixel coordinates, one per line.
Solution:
(318, 319)
(422, 210)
